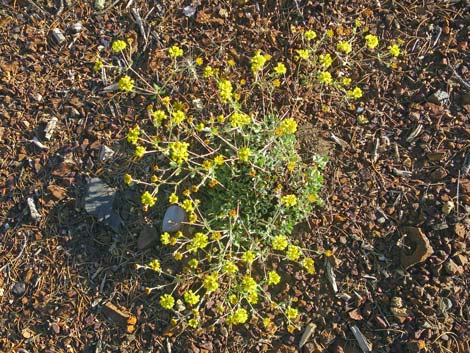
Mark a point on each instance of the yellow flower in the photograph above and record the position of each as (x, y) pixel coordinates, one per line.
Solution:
(310, 35)
(173, 198)
(233, 299)
(166, 101)
(179, 151)
(127, 179)
(309, 264)
(126, 84)
(154, 178)
(133, 135)
(98, 64)
(167, 301)
(291, 313)
(346, 81)
(147, 199)
(219, 159)
(357, 23)
(191, 298)
(371, 41)
(212, 183)
(225, 90)
(208, 71)
(266, 322)
(325, 77)
(188, 205)
(330, 33)
(289, 200)
(394, 49)
(252, 298)
(178, 116)
(165, 238)
(158, 116)
(199, 241)
(239, 119)
(193, 323)
(231, 62)
(192, 218)
(240, 316)
(175, 51)
(248, 256)
(155, 265)
(276, 82)
(230, 267)
(312, 198)
(207, 165)
(258, 61)
(326, 60)
(344, 46)
(244, 154)
(287, 126)
(279, 242)
(303, 53)
(118, 45)
(139, 151)
(177, 255)
(280, 69)
(216, 236)
(328, 253)
(355, 93)
(273, 278)
(293, 252)
(210, 282)
(199, 61)
(248, 284)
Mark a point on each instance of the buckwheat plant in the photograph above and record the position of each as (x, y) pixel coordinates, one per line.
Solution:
(232, 165)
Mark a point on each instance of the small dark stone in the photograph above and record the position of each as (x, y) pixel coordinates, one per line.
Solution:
(19, 288)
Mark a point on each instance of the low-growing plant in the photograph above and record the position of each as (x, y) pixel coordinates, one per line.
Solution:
(230, 161)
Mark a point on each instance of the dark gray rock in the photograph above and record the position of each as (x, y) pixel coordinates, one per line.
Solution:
(173, 219)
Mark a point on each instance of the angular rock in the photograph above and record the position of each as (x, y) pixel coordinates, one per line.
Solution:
(106, 153)
(439, 97)
(420, 247)
(119, 317)
(174, 218)
(99, 203)
(452, 268)
(148, 236)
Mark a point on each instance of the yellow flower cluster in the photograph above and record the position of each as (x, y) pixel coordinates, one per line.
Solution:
(310, 35)
(326, 60)
(287, 126)
(303, 53)
(158, 116)
(127, 179)
(199, 241)
(273, 278)
(98, 65)
(355, 93)
(291, 313)
(244, 154)
(258, 61)
(289, 200)
(155, 265)
(280, 69)
(191, 298)
(344, 46)
(167, 301)
(248, 256)
(179, 151)
(309, 264)
(239, 120)
(118, 45)
(394, 49)
(147, 199)
(293, 252)
(240, 316)
(248, 284)
(225, 90)
(371, 41)
(279, 242)
(178, 116)
(211, 283)
(325, 77)
(175, 51)
(126, 84)
(230, 268)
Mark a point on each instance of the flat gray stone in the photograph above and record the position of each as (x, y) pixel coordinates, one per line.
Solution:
(173, 219)
(438, 97)
(99, 203)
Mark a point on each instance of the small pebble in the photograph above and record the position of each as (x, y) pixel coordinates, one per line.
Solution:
(19, 288)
